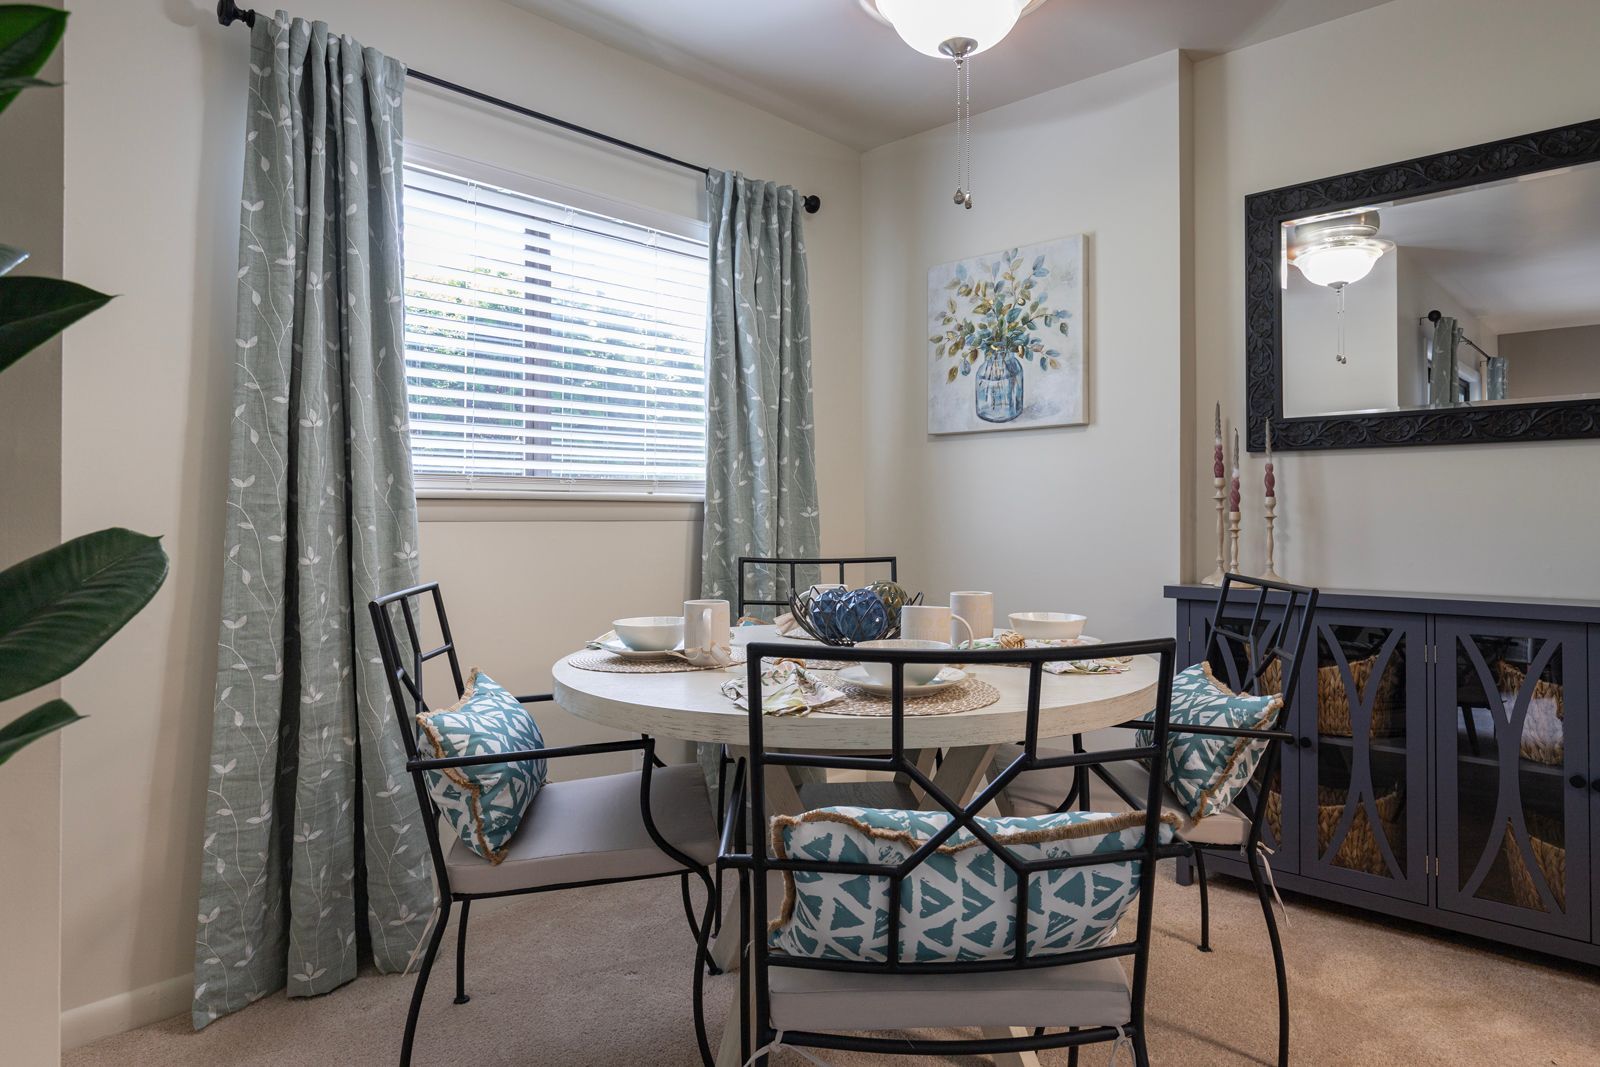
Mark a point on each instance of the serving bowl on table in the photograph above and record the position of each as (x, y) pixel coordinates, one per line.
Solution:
(1048, 625)
(650, 633)
(916, 673)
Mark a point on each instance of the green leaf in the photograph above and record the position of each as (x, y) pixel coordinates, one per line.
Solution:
(43, 720)
(33, 310)
(28, 34)
(58, 607)
(27, 83)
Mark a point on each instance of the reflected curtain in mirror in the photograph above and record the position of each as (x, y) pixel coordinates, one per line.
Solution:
(761, 477)
(1442, 389)
(313, 852)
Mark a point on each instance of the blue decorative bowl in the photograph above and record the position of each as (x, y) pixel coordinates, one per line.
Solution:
(842, 616)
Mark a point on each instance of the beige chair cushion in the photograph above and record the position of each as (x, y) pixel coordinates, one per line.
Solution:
(590, 829)
(1093, 993)
(1036, 792)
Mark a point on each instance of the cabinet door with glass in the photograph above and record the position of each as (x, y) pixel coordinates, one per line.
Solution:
(1230, 664)
(1512, 773)
(1362, 744)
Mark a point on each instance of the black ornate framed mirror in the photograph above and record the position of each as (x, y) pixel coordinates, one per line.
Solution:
(1450, 299)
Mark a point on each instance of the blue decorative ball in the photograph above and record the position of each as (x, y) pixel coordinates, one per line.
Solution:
(852, 615)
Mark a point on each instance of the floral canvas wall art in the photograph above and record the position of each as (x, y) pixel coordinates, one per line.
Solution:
(1005, 340)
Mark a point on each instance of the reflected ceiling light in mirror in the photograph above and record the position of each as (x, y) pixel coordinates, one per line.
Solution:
(958, 30)
(1338, 252)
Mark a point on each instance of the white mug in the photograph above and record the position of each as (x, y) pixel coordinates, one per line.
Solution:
(932, 622)
(707, 630)
(978, 611)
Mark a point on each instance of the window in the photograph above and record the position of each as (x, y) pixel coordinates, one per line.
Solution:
(550, 347)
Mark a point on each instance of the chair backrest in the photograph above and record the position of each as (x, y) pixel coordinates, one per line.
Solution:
(403, 659)
(1269, 647)
(1276, 621)
(750, 576)
(962, 816)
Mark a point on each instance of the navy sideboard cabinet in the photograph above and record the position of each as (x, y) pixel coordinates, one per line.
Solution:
(1446, 764)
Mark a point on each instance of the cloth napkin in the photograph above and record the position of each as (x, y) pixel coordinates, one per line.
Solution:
(787, 624)
(787, 688)
(1103, 665)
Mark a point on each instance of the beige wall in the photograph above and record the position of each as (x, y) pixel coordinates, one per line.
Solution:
(1542, 363)
(153, 162)
(30, 489)
(1071, 519)
(1401, 80)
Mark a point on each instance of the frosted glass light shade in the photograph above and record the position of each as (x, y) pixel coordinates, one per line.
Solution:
(1338, 263)
(927, 24)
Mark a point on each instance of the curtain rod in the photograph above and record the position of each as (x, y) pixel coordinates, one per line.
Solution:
(228, 12)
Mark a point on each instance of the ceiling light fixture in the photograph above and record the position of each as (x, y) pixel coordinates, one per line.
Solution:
(1338, 252)
(958, 30)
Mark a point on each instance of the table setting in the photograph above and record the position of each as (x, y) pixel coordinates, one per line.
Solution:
(881, 615)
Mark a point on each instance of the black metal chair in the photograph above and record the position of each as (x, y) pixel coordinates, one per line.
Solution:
(1064, 999)
(749, 567)
(585, 832)
(1243, 659)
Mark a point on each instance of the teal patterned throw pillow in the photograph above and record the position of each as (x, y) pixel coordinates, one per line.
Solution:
(1206, 772)
(483, 803)
(961, 903)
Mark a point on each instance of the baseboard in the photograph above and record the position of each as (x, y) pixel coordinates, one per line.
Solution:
(125, 1011)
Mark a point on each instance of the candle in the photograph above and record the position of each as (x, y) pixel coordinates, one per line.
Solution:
(1271, 482)
(1216, 452)
(1233, 493)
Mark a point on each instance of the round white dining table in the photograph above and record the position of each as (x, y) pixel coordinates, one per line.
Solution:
(691, 705)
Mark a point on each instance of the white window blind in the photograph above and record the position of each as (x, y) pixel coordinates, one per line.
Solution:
(548, 347)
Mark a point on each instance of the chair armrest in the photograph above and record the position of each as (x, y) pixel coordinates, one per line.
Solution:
(526, 755)
(1232, 731)
(535, 698)
(1211, 731)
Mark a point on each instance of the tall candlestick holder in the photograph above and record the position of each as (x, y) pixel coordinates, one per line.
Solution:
(1271, 573)
(1270, 485)
(1233, 542)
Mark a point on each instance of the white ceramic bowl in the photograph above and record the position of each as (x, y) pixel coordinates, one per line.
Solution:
(1048, 625)
(916, 673)
(650, 633)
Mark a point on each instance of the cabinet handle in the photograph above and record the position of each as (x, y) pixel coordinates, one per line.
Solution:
(1579, 781)
(1305, 742)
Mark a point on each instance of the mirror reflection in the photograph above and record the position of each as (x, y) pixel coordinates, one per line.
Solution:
(1483, 295)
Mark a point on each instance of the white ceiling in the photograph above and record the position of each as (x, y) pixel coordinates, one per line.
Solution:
(831, 67)
(1520, 255)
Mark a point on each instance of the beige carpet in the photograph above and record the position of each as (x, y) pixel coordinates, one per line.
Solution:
(601, 976)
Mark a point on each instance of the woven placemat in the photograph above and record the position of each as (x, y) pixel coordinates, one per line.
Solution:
(970, 695)
(610, 664)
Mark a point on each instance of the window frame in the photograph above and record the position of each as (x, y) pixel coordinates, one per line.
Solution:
(514, 487)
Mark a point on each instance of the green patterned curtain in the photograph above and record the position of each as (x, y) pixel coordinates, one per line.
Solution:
(312, 840)
(761, 471)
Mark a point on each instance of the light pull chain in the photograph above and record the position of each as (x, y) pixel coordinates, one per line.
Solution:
(963, 197)
(1339, 354)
